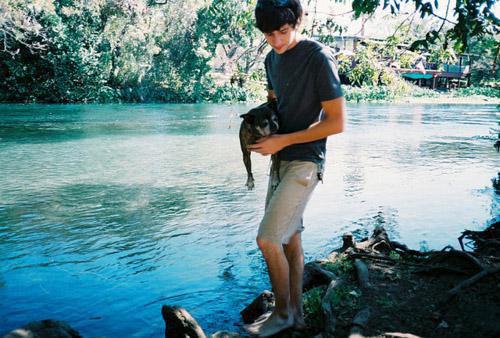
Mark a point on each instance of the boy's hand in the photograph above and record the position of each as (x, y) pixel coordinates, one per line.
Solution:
(269, 145)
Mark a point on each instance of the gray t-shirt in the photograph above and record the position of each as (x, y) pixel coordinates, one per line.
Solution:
(302, 78)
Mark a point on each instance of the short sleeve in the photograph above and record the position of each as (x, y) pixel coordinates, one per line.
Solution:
(327, 79)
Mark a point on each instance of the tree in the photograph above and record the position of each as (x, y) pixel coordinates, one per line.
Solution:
(474, 18)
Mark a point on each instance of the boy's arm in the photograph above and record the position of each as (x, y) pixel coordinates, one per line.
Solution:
(271, 96)
(332, 123)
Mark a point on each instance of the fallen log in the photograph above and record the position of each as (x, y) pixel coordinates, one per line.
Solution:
(362, 273)
(327, 308)
(470, 281)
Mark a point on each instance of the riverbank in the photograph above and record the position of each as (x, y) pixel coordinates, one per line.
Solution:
(449, 99)
(380, 288)
(408, 93)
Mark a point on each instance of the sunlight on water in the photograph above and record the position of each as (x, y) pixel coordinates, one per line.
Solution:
(109, 211)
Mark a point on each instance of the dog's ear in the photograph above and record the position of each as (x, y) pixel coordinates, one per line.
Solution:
(248, 118)
(273, 105)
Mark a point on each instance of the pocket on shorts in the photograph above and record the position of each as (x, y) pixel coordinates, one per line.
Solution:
(305, 173)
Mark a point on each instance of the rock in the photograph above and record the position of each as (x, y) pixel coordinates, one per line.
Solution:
(315, 275)
(180, 324)
(260, 305)
(44, 329)
(326, 306)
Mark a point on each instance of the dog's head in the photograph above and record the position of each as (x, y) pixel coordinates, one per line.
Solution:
(262, 121)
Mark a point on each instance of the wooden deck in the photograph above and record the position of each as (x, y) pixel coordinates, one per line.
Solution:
(436, 74)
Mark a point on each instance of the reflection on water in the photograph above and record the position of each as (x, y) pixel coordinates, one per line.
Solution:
(109, 211)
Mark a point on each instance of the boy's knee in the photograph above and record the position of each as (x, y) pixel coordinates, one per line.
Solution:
(266, 245)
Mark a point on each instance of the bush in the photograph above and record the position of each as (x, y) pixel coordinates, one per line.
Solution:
(483, 91)
(368, 94)
(313, 313)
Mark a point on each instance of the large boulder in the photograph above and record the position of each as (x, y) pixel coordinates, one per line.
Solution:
(180, 324)
(47, 328)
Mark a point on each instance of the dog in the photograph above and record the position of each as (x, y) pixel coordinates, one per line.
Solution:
(259, 122)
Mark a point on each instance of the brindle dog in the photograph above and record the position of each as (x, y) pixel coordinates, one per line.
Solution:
(257, 123)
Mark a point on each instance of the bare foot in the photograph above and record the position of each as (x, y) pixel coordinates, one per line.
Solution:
(298, 320)
(263, 317)
(272, 325)
(299, 324)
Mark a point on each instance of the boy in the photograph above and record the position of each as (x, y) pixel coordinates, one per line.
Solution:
(302, 77)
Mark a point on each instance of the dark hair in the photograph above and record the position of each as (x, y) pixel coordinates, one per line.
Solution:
(270, 15)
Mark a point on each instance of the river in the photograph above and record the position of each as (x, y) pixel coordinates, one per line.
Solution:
(109, 211)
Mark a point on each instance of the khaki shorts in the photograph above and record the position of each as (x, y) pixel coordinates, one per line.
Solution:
(287, 197)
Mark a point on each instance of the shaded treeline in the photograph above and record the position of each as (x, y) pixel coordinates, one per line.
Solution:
(112, 50)
(192, 51)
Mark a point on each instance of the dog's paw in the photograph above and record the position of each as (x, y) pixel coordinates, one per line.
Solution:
(250, 185)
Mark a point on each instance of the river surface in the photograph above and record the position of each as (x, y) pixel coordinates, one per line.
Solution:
(109, 211)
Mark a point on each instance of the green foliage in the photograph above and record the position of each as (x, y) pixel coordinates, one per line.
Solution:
(345, 296)
(313, 313)
(364, 7)
(482, 91)
(366, 70)
(406, 60)
(385, 302)
(137, 51)
(385, 93)
(327, 30)
(394, 255)
(485, 57)
(475, 18)
(368, 94)
(232, 93)
(340, 266)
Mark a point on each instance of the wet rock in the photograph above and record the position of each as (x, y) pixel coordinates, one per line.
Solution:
(260, 305)
(44, 329)
(180, 324)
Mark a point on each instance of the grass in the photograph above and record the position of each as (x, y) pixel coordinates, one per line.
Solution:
(339, 267)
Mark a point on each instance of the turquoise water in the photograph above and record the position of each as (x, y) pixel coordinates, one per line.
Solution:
(109, 211)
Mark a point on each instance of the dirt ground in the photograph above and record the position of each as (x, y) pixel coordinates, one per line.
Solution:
(409, 291)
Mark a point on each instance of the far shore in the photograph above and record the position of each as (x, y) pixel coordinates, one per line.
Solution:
(448, 99)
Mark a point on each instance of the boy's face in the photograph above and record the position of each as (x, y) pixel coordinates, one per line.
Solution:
(283, 39)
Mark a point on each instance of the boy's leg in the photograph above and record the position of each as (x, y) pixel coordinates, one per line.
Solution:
(278, 269)
(295, 257)
(280, 229)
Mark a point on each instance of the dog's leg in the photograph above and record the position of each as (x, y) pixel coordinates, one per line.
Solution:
(244, 137)
(275, 165)
(248, 165)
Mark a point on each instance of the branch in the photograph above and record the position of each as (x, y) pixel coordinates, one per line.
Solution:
(402, 22)
(333, 15)
(446, 16)
(444, 19)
